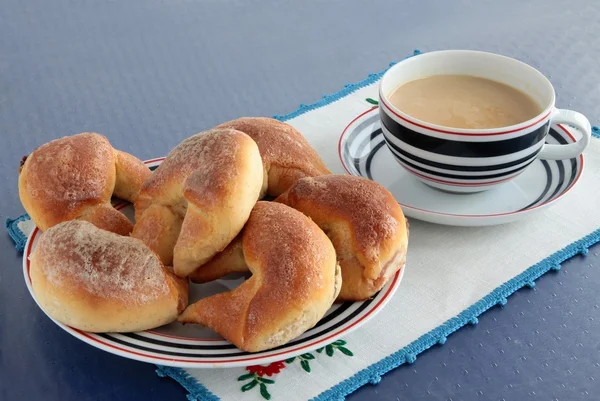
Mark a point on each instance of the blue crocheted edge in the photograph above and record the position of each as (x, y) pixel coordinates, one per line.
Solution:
(196, 390)
(408, 354)
(18, 236)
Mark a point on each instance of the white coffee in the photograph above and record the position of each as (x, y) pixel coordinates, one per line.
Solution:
(464, 101)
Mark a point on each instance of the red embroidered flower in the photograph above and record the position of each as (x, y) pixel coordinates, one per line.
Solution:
(268, 370)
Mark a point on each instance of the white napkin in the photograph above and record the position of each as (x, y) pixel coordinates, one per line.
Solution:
(452, 275)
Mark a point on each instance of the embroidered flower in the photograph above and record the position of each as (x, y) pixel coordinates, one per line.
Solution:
(269, 370)
(255, 379)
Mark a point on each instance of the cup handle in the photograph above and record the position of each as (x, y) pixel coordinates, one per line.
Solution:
(561, 152)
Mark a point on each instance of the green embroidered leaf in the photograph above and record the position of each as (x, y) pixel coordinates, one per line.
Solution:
(329, 350)
(264, 392)
(245, 377)
(319, 350)
(345, 351)
(308, 356)
(339, 342)
(290, 360)
(372, 101)
(250, 385)
(305, 365)
(263, 380)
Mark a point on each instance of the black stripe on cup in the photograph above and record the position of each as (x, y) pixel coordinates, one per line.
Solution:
(413, 166)
(454, 167)
(410, 160)
(448, 147)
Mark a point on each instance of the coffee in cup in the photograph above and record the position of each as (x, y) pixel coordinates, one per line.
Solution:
(464, 101)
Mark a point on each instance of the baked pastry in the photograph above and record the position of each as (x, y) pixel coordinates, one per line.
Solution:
(365, 224)
(199, 198)
(74, 177)
(97, 281)
(287, 156)
(295, 280)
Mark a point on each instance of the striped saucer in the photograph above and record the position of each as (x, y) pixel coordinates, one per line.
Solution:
(363, 153)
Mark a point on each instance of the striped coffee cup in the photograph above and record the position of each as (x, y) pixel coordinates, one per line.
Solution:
(473, 160)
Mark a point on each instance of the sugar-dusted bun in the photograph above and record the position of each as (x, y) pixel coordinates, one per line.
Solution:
(199, 198)
(97, 281)
(287, 156)
(74, 177)
(295, 279)
(365, 224)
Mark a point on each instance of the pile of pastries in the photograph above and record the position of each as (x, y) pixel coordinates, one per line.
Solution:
(200, 216)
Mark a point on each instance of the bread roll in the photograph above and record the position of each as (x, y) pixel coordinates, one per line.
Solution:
(365, 224)
(287, 156)
(199, 198)
(97, 281)
(74, 177)
(295, 279)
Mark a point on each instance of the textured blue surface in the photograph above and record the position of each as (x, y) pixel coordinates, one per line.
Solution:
(149, 73)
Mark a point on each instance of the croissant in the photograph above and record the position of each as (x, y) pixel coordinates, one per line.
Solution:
(199, 198)
(97, 281)
(75, 177)
(286, 154)
(365, 223)
(295, 279)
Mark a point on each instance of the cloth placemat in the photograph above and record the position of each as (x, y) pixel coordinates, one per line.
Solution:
(453, 275)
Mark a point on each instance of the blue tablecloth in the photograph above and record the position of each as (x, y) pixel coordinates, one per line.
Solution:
(149, 73)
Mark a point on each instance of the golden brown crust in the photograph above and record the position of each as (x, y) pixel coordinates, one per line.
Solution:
(107, 218)
(62, 177)
(131, 174)
(98, 281)
(286, 154)
(357, 287)
(364, 222)
(158, 229)
(206, 188)
(295, 280)
(74, 177)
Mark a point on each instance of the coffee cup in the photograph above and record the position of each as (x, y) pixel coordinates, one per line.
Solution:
(470, 160)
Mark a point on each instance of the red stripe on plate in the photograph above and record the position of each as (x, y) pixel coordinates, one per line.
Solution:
(159, 334)
(158, 159)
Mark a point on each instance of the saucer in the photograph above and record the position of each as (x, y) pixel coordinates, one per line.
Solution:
(363, 152)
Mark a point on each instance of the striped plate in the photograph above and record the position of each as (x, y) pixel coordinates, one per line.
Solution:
(193, 346)
(363, 152)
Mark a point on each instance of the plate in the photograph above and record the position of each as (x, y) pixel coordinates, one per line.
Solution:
(363, 152)
(193, 346)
